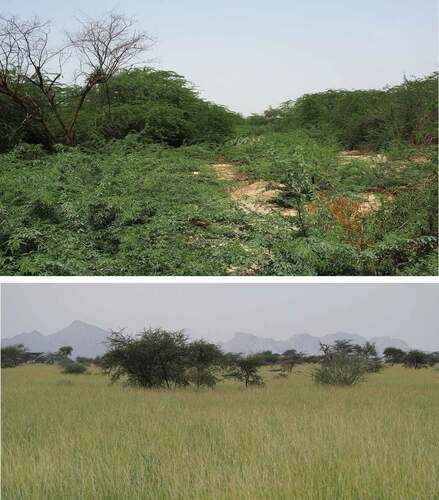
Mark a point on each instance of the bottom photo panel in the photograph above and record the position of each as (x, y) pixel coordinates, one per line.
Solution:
(220, 391)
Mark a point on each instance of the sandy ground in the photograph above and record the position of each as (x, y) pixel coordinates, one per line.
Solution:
(252, 196)
(257, 196)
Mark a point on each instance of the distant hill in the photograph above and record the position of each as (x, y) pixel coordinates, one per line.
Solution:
(309, 344)
(86, 340)
(34, 341)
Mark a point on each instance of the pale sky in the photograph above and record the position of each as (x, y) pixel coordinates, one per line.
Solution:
(217, 311)
(249, 54)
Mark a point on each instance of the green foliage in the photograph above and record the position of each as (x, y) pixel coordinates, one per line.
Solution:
(346, 364)
(162, 359)
(65, 351)
(204, 358)
(123, 205)
(15, 126)
(160, 105)
(371, 118)
(269, 358)
(245, 369)
(29, 152)
(156, 358)
(101, 214)
(341, 370)
(416, 359)
(73, 368)
(13, 355)
(394, 355)
(433, 358)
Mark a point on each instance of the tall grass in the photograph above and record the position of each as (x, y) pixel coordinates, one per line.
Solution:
(290, 439)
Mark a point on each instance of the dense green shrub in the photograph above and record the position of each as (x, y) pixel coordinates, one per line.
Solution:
(341, 370)
(416, 359)
(158, 358)
(73, 368)
(371, 118)
(160, 105)
(346, 364)
(101, 214)
(135, 209)
(13, 355)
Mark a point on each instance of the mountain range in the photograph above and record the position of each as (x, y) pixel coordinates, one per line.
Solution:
(88, 340)
(247, 343)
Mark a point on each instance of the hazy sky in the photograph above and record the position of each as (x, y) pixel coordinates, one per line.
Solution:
(217, 311)
(249, 54)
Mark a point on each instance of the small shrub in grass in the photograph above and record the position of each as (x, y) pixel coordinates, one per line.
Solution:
(73, 368)
(245, 369)
(345, 364)
(341, 370)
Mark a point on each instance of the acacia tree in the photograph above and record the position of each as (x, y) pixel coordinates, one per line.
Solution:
(203, 358)
(416, 359)
(64, 352)
(102, 48)
(13, 355)
(369, 353)
(246, 369)
(154, 358)
(393, 355)
(161, 358)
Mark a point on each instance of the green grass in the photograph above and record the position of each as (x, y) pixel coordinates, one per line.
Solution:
(79, 437)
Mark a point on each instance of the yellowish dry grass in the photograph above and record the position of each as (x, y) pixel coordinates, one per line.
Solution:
(288, 440)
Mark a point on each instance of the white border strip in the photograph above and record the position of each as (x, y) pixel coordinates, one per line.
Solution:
(219, 279)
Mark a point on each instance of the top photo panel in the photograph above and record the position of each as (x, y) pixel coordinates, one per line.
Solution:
(230, 139)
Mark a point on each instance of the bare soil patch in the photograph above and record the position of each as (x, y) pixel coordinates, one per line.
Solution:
(371, 203)
(226, 171)
(253, 196)
(354, 154)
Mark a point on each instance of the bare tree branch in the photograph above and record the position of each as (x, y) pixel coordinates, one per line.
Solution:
(106, 46)
(103, 47)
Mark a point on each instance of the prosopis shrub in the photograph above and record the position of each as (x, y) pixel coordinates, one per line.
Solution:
(345, 363)
(341, 370)
(73, 368)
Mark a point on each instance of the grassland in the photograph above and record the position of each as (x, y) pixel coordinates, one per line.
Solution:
(77, 437)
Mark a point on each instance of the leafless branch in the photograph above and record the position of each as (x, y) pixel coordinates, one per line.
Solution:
(103, 47)
(106, 46)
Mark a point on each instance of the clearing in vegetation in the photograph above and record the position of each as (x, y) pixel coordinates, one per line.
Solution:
(252, 196)
(77, 436)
